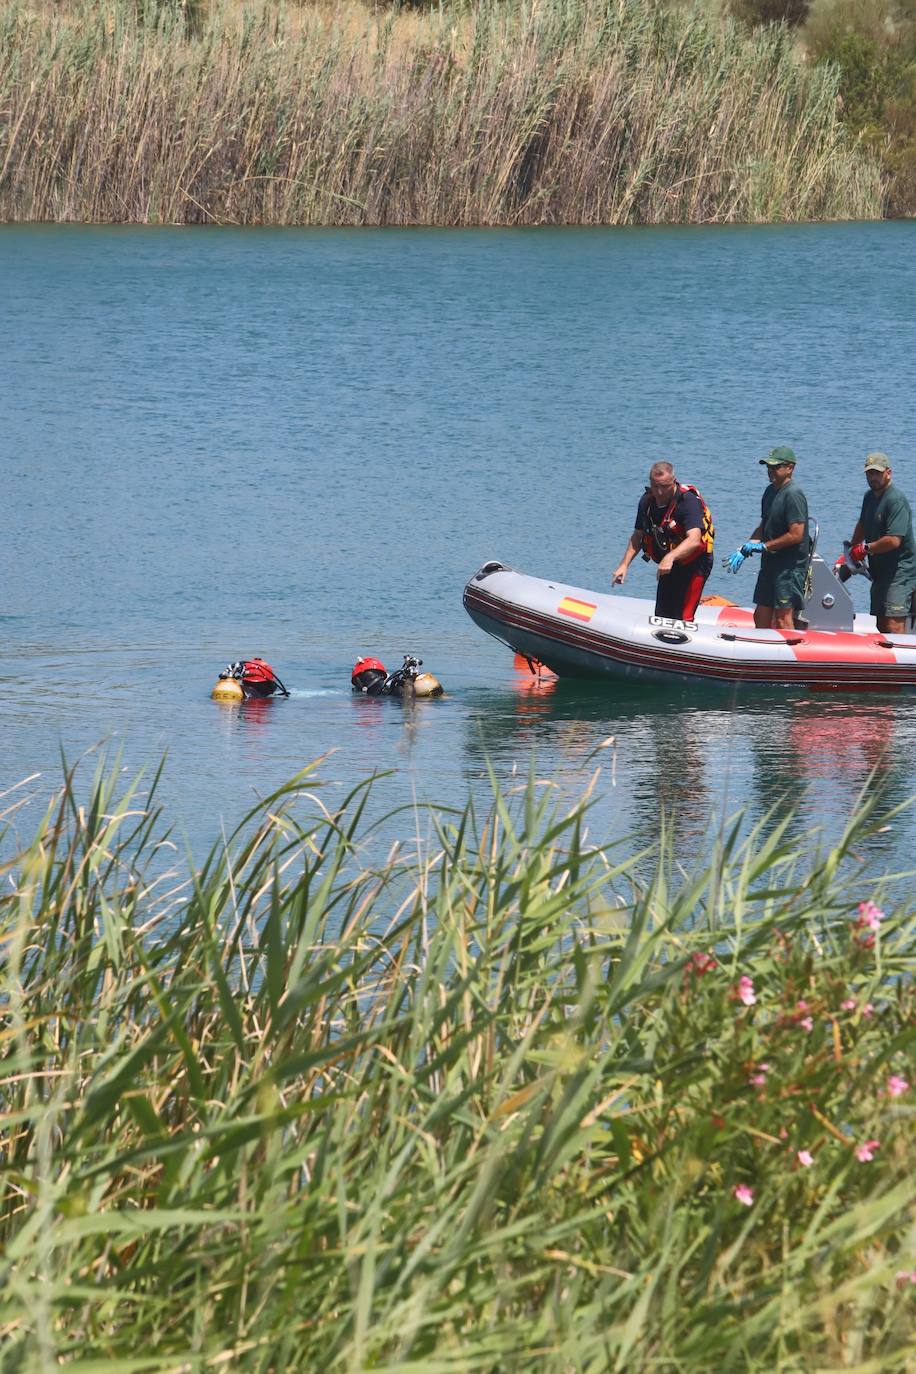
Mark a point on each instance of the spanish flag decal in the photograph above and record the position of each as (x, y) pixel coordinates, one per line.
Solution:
(577, 610)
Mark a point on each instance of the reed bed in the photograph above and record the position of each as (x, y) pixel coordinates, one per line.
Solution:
(515, 1103)
(514, 113)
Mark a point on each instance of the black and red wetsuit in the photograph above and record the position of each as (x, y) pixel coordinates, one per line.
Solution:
(663, 528)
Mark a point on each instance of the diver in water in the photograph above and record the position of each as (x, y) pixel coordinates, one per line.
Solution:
(371, 678)
(256, 677)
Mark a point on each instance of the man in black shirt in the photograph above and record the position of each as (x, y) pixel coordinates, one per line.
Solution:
(673, 528)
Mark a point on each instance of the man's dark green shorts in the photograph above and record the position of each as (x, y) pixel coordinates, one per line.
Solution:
(781, 587)
(891, 599)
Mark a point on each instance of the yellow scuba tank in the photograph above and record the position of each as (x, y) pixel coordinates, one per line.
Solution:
(227, 689)
(426, 685)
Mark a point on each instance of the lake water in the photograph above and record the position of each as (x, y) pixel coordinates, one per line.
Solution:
(300, 444)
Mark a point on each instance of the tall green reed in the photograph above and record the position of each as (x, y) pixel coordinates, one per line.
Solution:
(500, 1105)
(529, 112)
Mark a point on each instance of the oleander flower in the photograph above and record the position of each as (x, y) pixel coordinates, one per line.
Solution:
(870, 916)
(897, 1086)
(744, 1195)
(745, 991)
(805, 1158)
(866, 1151)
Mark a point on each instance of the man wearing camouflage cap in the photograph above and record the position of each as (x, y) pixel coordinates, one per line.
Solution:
(782, 541)
(884, 535)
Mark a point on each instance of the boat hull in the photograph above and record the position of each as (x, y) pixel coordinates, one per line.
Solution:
(583, 634)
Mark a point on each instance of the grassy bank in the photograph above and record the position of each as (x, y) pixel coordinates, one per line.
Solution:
(558, 111)
(515, 1105)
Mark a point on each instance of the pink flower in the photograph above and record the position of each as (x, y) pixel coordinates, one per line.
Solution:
(745, 991)
(701, 963)
(744, 1195)
(869, 917)
(801, 1015)
(868, 1010)
(897, 1086)
(759, 1077)
(904, 1276)
(805, 1158)
(849, 1005)
(866, 1152)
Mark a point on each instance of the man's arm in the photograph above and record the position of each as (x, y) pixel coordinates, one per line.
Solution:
(632, 550)
(856, 544)
(793, 535)
(859, 550)
(688, 548)
(691, 517)
(886, 544)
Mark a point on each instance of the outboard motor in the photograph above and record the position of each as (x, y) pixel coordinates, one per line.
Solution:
(828, 604)
(246, 678)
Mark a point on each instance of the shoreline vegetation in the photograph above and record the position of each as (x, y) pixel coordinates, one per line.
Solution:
(521, 112)
(514, 1103)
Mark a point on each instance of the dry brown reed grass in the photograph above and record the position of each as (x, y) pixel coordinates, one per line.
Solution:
(538, 112)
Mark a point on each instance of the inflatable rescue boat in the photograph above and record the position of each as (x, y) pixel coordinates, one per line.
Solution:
(584, 634)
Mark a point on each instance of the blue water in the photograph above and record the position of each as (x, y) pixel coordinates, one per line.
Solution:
(300, 444)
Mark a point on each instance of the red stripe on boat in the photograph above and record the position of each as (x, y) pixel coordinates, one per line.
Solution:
(734, 615)
(843, 646)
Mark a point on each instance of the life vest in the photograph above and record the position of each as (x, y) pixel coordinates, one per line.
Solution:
(659, 539)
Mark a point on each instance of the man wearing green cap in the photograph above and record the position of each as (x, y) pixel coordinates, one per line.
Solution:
(781, 539)
(884, 535)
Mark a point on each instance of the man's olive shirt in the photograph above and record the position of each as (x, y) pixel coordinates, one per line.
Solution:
(778, 510)
(888, 512)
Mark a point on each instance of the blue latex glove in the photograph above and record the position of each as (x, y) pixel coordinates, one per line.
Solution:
(733, 561)
(753, 546)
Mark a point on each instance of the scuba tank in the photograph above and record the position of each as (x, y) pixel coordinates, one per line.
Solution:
(370, 677)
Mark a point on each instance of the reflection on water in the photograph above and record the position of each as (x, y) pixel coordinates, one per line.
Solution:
(668, 752)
